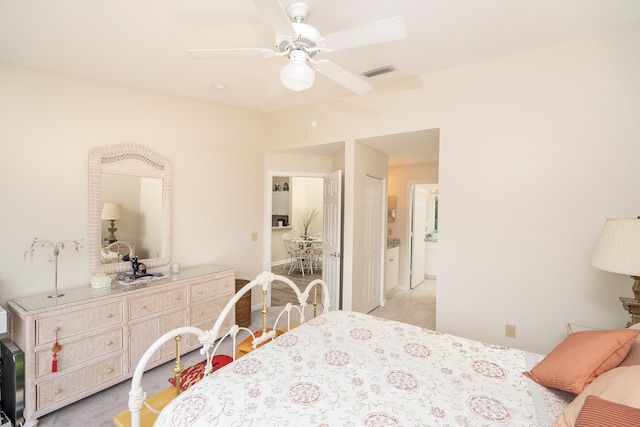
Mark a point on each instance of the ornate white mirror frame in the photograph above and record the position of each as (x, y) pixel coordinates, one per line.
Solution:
(126, 159)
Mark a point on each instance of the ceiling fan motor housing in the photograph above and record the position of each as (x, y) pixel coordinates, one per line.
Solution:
(307, 38)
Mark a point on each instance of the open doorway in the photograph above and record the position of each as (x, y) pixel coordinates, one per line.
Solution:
(415, 303)
(423, 233)
(304, 213)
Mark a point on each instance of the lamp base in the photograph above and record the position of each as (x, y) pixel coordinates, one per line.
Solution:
(112, 231)
(632, 305)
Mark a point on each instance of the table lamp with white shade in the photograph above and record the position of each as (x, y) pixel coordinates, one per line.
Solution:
(112, 212)
(618, 251)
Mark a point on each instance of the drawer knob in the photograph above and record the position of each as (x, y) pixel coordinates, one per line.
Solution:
(109, 316)
(110, 371)
(58, 391)
(109, 342)
(143, 307)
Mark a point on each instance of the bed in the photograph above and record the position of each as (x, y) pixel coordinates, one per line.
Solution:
(342, 368)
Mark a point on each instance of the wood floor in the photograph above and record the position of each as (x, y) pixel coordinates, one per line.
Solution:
(281, 293)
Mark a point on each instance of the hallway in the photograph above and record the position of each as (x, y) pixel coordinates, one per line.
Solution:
(416, 306)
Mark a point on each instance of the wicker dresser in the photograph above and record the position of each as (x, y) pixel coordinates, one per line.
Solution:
(104, 332)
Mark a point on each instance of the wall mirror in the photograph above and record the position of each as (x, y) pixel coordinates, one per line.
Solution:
(391, 205)
(139, 183)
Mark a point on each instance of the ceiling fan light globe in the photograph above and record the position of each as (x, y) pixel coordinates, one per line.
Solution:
(297, 77)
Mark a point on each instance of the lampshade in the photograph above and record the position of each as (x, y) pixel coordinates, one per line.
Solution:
(297, 75)
(618, 249)
(111, 211)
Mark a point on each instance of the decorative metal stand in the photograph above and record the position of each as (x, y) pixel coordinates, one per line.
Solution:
(56, 251)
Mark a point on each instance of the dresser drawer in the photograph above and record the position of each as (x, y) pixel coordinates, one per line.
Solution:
(207, 310)
(75, 353)
(78, 322)
(78, 382)
(224, 285)
(143, 333)
(143, 306)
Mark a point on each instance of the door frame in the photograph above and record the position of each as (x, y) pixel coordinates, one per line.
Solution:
(268, 211)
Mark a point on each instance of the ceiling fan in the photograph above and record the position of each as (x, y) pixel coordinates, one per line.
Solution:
(300, 42)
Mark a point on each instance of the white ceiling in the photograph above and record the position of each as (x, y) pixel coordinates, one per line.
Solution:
(143, 43)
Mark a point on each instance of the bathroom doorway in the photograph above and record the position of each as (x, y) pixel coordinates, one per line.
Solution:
(423, 233)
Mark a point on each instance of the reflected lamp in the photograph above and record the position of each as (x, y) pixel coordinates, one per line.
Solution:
(618, 251)
(112, 212)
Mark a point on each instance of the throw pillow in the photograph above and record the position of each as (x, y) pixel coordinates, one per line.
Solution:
(616, 385)
(597, 412)
(581, 357)
(195, 373)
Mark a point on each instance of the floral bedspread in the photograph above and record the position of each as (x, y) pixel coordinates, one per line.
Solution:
(353, 369)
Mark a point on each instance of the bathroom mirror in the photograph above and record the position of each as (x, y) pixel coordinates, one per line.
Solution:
(140, 181)
(391, 205)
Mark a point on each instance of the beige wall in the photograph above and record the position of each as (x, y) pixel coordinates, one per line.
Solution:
(48, 124)
(536, 150)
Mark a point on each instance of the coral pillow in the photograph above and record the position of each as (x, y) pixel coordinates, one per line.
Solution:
(617, 386)
(195, 373)
(597, 412)
(581, 357)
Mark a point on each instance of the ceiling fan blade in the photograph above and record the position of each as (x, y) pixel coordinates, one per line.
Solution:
(374, 32)
(230, 53)
(342, 77)
(276, 16)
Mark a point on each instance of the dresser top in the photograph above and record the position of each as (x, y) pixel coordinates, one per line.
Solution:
(85, 293)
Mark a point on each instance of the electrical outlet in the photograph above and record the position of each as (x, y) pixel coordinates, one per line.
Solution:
(510, 331)
(254, 237)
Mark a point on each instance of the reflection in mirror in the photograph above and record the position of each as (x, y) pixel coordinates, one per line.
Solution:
(140, 223)
(141, 182)
(391, 205)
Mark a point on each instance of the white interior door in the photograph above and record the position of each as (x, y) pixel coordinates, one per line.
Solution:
(418, 224)
(331, 247)
(372, 244)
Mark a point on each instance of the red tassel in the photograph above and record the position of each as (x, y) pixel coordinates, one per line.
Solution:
(55, 349)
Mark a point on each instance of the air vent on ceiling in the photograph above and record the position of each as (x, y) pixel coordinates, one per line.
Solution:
(377, 71)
